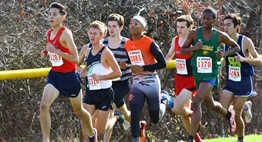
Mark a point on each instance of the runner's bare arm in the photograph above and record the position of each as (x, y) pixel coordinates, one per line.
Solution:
(81, 57)
(111, 61)
(187, 47)
(44, 52)
(255, 59)
(222, 65)
(171, 51)
(224, 38)
(84, 72)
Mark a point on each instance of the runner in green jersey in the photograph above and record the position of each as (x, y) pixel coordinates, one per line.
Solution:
(206, 41)
(205, 63)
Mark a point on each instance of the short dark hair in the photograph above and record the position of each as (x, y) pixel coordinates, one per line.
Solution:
(99, 25)
(211, 11)
(235, 19)
(116, 17)
(60, 7)
(186, 18)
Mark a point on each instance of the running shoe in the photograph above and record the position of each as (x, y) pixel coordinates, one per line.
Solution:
(93, 138)
(167, 99)
(142, 136)
(121, 118)
(247, 113)
(126, 125)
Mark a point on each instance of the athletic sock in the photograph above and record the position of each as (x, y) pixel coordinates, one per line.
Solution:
(241, 139)
(92, 135)
(228, 115)
(198, 138)
(191, 138)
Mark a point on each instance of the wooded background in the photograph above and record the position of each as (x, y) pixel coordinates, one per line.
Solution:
(22, 36)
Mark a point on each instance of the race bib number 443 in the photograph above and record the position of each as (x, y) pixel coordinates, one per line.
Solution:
(136, 57)
(204, 65)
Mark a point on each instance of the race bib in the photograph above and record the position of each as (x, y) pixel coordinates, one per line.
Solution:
(93, 85)
(136, 57)
(234, 73)
(55, 59)
(181, 66)
(204, 65)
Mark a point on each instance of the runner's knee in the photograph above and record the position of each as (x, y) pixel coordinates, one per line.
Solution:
(154, 116)
(196, 103)
(44, 106)
(101, 131)
(78, 112)
(177, 107)
(238, 112)
(135, 112)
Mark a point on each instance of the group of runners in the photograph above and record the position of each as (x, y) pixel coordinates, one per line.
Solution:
(111, 62)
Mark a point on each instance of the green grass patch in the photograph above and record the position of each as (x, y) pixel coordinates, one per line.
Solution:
(248, 138)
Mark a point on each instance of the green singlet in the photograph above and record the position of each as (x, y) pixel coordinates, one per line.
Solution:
(204, 62)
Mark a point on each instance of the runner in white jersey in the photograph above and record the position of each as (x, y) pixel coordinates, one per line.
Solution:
(121, 85)
(101, 68)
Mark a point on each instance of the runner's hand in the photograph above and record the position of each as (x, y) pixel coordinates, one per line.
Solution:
(43, 53)
(51, 48)
(136, 69)
(239, 58)
(219, 54)
(95, 77)
(198, 45)
(122, 64)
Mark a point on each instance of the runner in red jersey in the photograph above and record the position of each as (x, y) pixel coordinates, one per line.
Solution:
(184, 81)
(63, 78)
(59, 64)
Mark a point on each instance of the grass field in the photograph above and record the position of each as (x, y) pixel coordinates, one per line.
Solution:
(248, 138)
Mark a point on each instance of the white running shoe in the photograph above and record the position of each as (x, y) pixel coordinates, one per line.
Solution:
(126, 125)
(248, 113)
